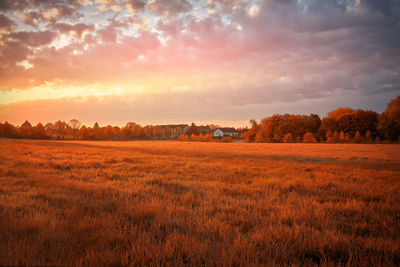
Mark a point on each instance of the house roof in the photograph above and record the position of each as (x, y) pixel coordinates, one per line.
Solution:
(227, 130)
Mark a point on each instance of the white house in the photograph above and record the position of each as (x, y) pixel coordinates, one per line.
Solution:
(225, 132)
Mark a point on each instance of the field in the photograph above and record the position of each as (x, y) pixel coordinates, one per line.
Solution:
(185, 203)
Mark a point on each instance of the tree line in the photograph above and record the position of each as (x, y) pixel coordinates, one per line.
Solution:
(73, 130)
(342, 125)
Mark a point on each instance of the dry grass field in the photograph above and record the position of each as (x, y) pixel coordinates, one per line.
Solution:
(180, 203)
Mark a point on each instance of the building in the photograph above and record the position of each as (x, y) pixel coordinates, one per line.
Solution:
(225, 132)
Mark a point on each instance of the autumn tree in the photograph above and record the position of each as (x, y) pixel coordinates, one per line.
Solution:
(148, 131)
(25, 130)
(347, 138)
(309, 138)
(178, 131)
(250, 135)
(84, 133)
(183, 137)
(277, 138)
(336, 137)
(368, 138)
(8, 130)
(109, 132)
(127, 133)
(389, 121)
(157, 132)
(259, 138)
(117, 132)
(209, 137)
(288, 138)
(61, 128)
(192, 129)
(342, 137)
(51, 129)
(97, 132)
(139, 131)
(39, 132)
(167, 132)
(357, 138)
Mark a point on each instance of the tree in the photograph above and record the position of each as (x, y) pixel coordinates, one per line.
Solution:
(127, 133)
(26, 130)
(288, 138)
(158, 132)
(309, 138)
(368, 137)
(329, 136)
(192, 129)
(61, 129)
(347, 138)
(357, 138)
(9, 130)
(213, 127)
(389, 121)
(139, 131)
(51, 129)
(209, 137)
(259, 137)
(339, 112)
(117, 132)
(148, 131)
(39, 132)
(109, 132)
(167, 132)
(183, 137)
(277, 138)
(178, 131)
(250, 135)
(342, 137)
(98, 132)
(336, 137)
(84, 133)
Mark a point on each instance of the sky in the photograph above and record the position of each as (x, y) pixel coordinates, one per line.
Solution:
(180, 61)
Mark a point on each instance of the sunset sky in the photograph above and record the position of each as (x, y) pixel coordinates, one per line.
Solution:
(178, 61)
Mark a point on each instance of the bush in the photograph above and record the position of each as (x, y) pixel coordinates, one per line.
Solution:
(227, 139)
(202, 137)
(309, 138)
(288, 138)
(183, 137)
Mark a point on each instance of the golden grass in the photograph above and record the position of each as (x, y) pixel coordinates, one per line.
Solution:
(181, 203)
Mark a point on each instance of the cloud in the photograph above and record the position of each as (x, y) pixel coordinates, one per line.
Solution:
(6, 23)
(12, 52)
(34, 39)
(169, 7)
(136, 5)
(245, 53)
(76, 29)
